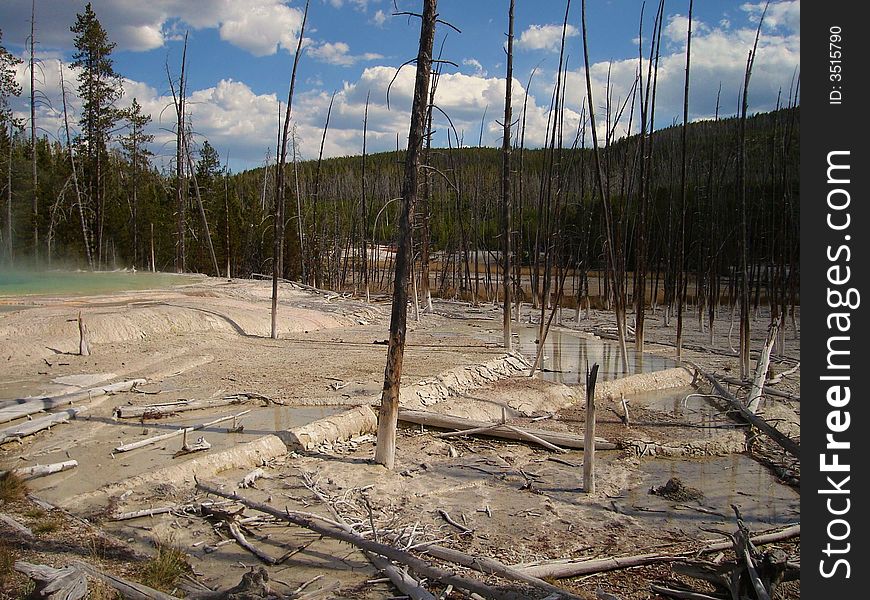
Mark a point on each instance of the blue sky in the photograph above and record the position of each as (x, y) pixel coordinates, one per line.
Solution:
(241, 52)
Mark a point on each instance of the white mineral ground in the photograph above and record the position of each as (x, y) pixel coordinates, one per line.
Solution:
(209, 339)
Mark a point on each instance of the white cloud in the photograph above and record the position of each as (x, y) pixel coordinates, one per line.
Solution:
(786, 14)
(475, 64)
(258, 26)
(380, 18)
(338, 53)
(545, 37)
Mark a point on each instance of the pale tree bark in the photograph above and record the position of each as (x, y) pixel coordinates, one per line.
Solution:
(385, 452)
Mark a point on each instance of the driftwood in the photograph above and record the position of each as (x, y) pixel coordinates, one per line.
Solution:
(242, 541)
(84, 350)
(30, 406)
(589, 433)
(754, 398)
(399, 577)
(251, 478)
(156, 411)
(491, 566)
(176, 432)
(788, 444)
(68, 583)
(199, 445)
(561, 569)
(43, 470)
(768, 391)
(129, 590)
(16, 432)
(147, 512)
(15, 525)
(335, 530)
(497, 430)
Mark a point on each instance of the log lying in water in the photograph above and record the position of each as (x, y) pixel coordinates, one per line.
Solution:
(558, 438)
(155, 411)
(30, 406)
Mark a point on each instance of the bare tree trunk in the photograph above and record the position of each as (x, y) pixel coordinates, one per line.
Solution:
(9, 252)
(741, 185)
(385, 452)
(72, 161)
(506, 183)
(34, 178)
(619, 307)
(278, 242)
(364, 216)
(207, 233)
(180, 200)
(681, 255)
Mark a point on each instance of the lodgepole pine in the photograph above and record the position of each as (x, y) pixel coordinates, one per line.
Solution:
(278, 245)
(506, 182)
(385, 453)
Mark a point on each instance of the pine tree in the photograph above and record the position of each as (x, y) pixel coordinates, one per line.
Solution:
(8, 88)
(99, 90)
(137, 153)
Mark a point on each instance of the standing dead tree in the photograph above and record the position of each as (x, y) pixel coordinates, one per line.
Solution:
(385, 452)
(741, 190)
(681, 266)
(277, 250)
(180, 200)
(506, 182)
(618, 283)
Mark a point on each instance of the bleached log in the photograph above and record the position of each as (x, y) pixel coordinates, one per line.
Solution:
(557, 438)
(43, 470)
(573, 568)
(84, 350)
(129, 590)
(175, 433)
(16, 432)
(251, 478)
(170, 408)
(147, 512)
(68, 583)
(491, 566)
(768, 390)
(14, 524)
(242, 541)
(754, 398)
(334, 530)
(30, 406)
(788, 444)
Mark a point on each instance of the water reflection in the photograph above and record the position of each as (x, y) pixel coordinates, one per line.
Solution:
(566, 356)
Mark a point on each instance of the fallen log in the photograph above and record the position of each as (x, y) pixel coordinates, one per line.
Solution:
(129, 590)
(30, 406)
(575, 568)
(491, 566)
(768, 391)
(175, 433)
(155, 411)
(334, 530)
(68, 583)
(16, 432)
(399, 577)
(754, 398)
(498, 430)
(788, 444)
(43, 470)
(15, 525)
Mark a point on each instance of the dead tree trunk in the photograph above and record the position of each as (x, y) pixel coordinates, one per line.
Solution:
(681, 255)
(506, 183)
(180, 203)
(385, 453)
(278, 245)
(35, 181)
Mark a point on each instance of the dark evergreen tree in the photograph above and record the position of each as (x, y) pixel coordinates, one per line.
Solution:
(99, 89)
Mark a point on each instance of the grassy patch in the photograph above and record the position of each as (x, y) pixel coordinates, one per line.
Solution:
(47, 525)
(165, 567)
(12, 487)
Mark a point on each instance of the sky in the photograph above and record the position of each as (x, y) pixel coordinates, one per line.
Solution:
(240, 56)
